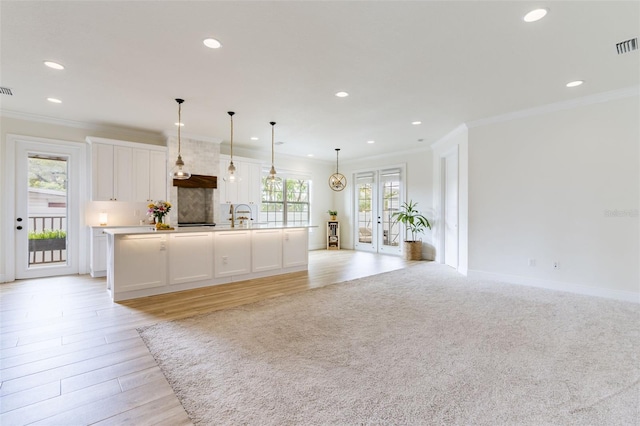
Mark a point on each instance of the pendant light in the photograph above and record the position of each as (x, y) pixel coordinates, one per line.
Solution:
(179, 171)
(231, 175)
(272, 172)
(337, 181)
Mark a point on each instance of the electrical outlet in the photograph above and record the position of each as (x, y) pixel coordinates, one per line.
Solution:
(136, 213)
(225, 260)
(532, 262)
(556, 264)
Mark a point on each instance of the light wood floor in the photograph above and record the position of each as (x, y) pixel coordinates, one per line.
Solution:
(70, 356)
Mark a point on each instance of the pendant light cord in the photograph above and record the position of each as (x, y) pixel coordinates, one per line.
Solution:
(179, 124)
(273, 123)
(231, 115)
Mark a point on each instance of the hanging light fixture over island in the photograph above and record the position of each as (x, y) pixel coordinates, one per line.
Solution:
(272, 172)
(179, 171)
(231, 175)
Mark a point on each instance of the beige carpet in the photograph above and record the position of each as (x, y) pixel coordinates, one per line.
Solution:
(419, 346)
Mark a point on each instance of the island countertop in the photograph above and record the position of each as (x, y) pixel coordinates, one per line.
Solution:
(187, 229)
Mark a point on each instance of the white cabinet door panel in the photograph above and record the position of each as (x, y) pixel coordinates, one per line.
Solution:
(232, 253)
(157, 175)
(191, 257)
(295, 247)
(102, 172)
(140, 261)
(266, 250)
(123, 173)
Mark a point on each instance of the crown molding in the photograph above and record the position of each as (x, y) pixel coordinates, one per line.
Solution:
(452, 134)
(79, 124)
(558, 106)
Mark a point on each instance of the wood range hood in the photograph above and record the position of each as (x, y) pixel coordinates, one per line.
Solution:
(197, 181)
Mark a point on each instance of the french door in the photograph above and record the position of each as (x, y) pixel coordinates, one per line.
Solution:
(378, 195)
(47, 193)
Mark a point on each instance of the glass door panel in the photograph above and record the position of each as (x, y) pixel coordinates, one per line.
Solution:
(47, 211)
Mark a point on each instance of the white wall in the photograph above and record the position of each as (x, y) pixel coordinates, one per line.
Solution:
(543, 188)
(419, 188)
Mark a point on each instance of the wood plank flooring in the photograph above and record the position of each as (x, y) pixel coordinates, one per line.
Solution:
(70, 356)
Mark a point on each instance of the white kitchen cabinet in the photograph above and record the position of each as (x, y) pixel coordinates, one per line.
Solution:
(112, 168)
(127, 171)
(191, 257)
(98, 249)
(140, 261)
(245, 191)
(232, 253)
(295, 246)
(150, 175)
(266, 250)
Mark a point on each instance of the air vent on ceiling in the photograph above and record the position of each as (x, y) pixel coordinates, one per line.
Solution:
(5, 91)
(627, 46)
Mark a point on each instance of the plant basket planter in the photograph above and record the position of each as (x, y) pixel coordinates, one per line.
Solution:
(412, 250)
(48, 244)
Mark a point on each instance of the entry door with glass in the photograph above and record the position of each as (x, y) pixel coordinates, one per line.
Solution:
(378, 195)
(46, 229)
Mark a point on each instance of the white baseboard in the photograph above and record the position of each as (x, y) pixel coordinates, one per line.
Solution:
(625, 296)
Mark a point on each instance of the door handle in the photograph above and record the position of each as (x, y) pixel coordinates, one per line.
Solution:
(19, 227)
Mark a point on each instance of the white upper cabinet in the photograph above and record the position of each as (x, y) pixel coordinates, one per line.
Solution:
(127, 171)
(247, 189)
(150, 175)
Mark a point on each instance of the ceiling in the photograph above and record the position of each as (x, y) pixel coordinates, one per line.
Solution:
(441, 63)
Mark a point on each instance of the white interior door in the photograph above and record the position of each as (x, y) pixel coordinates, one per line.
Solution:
(450, 213)
(47, 208)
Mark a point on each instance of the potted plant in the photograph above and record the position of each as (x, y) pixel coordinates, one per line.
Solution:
(333, 214)
(47, 240)
(415, 224)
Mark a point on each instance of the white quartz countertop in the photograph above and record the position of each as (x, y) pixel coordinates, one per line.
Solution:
(150, 230)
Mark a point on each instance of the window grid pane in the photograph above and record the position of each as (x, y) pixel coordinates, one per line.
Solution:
(365, 214)
(285, 201)
(391, 204)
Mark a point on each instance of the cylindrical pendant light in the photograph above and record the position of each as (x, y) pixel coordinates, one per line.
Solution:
(179, 171)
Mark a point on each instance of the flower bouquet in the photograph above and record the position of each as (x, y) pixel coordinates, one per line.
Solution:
(158, 210)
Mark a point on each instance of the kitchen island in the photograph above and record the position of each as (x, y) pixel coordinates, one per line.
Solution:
(145, 262)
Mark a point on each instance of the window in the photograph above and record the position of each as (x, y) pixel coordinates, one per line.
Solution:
(285, 201)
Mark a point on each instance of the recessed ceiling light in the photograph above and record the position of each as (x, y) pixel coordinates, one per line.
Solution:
(54, 100)
(309, 155)
(253, 138)
(535, 15)
(415, 123)
(371, 141)
(212, 43)
(575, 83)
(342, 94)
(179, 124)
(54, 65)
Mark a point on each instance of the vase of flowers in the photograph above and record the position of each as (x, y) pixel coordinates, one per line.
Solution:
(158, 210)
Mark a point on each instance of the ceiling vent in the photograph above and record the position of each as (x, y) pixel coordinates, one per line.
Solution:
(627, 46)
(5, 91)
